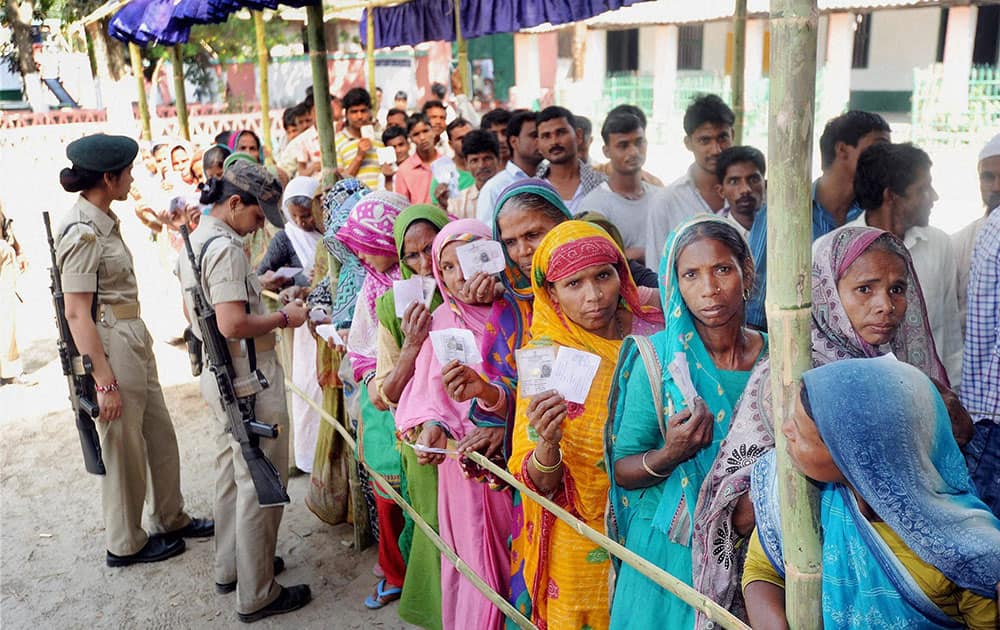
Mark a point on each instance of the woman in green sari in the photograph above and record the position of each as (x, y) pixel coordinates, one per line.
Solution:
(664, 429)
(399, 342)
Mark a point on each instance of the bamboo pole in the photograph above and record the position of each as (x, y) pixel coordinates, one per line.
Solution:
(712, 610)
(265, 95)
(180, 97)
(136, 56)
(370, 50)
(463, 51)
(739, 68)
(321, 91)
(789, 236)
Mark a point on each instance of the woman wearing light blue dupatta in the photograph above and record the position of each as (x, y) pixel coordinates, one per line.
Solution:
(906, 541)
(657, 461)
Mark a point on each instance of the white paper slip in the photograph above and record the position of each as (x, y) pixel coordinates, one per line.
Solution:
(455, 344)
(368, 131)
(406, 292)
(386, 155)
(288, 272)
(680, 371)
(420, 448)
(484, 255)
(318, 314)
(534, 370)
(573, 373)
(328, 332)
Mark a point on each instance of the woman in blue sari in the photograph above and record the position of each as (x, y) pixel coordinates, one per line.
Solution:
(906, 541)
(662, 436)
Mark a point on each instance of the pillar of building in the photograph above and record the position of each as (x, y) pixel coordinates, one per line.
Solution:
(665, 76)
(836, 92)
(959, 40)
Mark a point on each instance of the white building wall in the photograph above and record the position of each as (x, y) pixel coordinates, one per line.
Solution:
(713, 52)
(901, 40)
(647, 51)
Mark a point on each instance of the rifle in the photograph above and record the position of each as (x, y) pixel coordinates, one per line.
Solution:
(77, 368)
(240, 409)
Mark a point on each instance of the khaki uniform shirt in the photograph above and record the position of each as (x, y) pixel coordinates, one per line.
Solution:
(226, 274)
(92, 256)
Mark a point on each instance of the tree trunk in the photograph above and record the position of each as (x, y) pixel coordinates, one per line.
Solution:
(20, 14)
(180, 96)
(264, 86)
(789, 236)
(739, 68)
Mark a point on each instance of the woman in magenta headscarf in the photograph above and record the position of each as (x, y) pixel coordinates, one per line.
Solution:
(473, 518)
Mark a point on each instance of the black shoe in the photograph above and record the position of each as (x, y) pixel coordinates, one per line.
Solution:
(157, 548)
(291, 598)
(197, 528)
(229, 587)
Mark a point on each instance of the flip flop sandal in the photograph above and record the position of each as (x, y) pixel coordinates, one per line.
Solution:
(383, 596)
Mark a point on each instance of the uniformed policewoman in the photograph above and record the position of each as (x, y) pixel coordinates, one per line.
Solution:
(137, 437)
(241, 200)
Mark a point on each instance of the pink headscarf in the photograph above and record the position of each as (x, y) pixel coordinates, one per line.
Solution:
(424, 398)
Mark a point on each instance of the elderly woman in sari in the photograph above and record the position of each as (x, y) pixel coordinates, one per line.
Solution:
(474, 518)
(399, 342)
(660, 444)
(585, 300)
(924, 550)
(866, 302)
(525, 212)
(368, 233)
(328, 495)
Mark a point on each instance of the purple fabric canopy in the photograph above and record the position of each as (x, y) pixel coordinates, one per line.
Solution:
(434, 20)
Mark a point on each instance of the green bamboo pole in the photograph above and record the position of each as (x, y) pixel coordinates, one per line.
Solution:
(321, 91)
(370, 50)
(265, 95)
(180, 97)
(739, 68)
(789, 236)
(463, 51)
(136, 55)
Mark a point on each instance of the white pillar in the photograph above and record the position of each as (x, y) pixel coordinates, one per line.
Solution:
(665, 75)
(837, 73)
(527, 82)
(754, 60)
(958, 42)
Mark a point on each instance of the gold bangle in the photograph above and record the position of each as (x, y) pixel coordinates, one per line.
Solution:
(542, 468)
(650, 470)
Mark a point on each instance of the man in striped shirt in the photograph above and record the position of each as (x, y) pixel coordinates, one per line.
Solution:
(357, 155)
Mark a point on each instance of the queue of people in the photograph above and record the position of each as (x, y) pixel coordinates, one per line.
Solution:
(615, 360)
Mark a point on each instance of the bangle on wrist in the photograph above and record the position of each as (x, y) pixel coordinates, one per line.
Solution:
(542, 468)
(649, 470)
(110, 387)
(284, 319)
(501, 396)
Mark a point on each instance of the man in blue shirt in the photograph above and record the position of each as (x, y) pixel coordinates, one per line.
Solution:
(844, 139)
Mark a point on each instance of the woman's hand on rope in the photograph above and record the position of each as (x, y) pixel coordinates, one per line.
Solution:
(432, 436)
(485, 440)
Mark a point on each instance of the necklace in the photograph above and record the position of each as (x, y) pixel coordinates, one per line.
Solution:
(619, 327)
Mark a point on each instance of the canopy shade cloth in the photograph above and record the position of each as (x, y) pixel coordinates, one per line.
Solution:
(421, 21)
(168, 22)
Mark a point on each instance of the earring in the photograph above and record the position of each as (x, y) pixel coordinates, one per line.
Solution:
(746, 295)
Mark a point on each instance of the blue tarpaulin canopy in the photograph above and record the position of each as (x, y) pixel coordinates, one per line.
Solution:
(421, 21)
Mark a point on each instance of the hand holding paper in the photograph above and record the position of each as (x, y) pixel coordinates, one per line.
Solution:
(406, 292)
(486, 256)
(574, 372)
(455, 344)
(287, 273)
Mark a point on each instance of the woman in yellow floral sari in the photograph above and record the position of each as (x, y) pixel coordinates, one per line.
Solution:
(585, 299)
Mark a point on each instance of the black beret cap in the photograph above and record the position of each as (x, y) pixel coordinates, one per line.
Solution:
(102, 153)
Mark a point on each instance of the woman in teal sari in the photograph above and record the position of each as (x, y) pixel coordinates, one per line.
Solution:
(664, 429)
(906, 541)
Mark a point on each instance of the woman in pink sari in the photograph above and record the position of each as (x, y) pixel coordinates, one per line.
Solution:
(474, 519)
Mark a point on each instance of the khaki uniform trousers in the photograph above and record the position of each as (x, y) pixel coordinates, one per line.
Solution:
(140, 447)
(246, 534)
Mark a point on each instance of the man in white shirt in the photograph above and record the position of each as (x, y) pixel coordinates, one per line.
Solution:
(893, 185)
(741, 172)
(625, 199)
(522, 139)
(965, 239)
(708, 125)
(558, 142)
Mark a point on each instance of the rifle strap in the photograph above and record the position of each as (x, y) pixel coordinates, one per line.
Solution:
(251, 350)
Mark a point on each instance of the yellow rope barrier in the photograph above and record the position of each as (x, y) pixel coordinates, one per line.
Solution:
(449, 553)
(712, 610)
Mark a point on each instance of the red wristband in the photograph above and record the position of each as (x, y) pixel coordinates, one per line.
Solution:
(284, 318)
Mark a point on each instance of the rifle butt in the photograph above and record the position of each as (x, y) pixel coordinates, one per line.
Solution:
(267, 482)
(90, 443)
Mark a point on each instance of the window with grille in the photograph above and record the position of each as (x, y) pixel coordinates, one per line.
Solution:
(690, 38)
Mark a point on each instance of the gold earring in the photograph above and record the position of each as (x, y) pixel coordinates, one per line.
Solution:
(746, 295)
